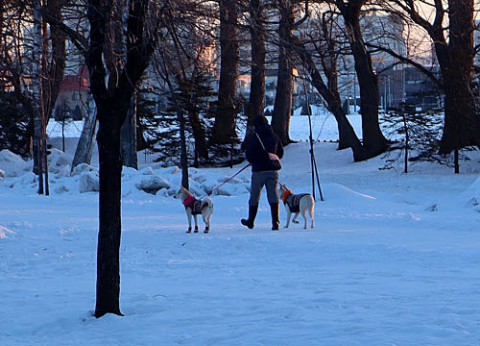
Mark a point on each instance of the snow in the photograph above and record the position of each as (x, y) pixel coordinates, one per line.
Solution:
(393, 259)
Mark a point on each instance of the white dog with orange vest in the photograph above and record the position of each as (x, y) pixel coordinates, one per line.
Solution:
(298, 204)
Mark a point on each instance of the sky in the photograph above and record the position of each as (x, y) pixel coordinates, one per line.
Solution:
(393, 258)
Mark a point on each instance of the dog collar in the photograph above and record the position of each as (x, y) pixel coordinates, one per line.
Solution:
(189, 201)
(286, 195)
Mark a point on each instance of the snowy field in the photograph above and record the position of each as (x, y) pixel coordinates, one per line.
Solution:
(394, 259)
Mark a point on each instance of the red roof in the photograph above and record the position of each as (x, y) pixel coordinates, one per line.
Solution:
(79, 82)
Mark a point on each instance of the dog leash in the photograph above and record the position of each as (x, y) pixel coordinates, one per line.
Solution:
(227, 180)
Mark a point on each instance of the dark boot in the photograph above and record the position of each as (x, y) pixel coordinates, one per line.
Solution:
(252, 213)
(275, 209)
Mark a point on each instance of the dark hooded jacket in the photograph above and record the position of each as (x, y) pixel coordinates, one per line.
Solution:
(255, 154)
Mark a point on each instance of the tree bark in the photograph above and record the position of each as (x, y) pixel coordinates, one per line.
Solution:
(50, 65)
(462, 124)
(201, 147)
(258, 53)
(192, 98)
(282, 108)
(128, 137)
(374, 142)
(83, 153)
(112, 97)
(37, 99)
(110, 225)
(455, 52)
(55, 68)
(256, 102)
(224, 128)
(347, 136)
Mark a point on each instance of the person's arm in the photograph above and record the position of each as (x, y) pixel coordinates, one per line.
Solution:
(250, 152)
(279, 148)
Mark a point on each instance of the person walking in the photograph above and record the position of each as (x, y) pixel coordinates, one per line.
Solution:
(264, 173)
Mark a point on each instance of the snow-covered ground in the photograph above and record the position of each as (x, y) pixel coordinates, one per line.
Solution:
(393, 260)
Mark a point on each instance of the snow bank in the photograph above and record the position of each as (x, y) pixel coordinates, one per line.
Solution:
(13, 165)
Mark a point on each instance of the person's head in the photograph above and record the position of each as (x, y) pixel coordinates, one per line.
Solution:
(260, 120)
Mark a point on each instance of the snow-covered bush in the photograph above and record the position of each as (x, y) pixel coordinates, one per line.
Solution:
(89, 182)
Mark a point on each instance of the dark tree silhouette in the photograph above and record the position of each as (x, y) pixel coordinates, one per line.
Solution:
(374, 142)
(318, 52)
(112, 91)
(454, 50)
(282, 109)
(224, 128)
(255, 104)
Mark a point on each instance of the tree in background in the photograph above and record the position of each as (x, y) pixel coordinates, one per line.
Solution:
(319, 49)
(282, 109)
(42, 70)
(374, 142)
(415, 134)
(128, 135)
(14, 120)
(185, 67)
(450, 26)
(48, 67)
(16, 126)
(256, 104)
(224, 131)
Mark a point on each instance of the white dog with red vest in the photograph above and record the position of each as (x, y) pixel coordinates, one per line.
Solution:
(194, 207)
(298, 204)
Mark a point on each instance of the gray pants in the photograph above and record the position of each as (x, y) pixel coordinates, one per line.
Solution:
(269, 179)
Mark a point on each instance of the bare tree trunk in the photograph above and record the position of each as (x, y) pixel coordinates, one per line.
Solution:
(183, 152)
(347, 136)
(282, 109)
(198, 131)
(55, 61)
(455, 52)
(201, 147)
(112, 97)
(224, 127)
(374, 143)
(326, 49)
(462, 125)
(256, 103)
(38, 116)
(48, 73)
(166, 71)
(258, 52)
(109, 235)
(128, 137)
(83, 154)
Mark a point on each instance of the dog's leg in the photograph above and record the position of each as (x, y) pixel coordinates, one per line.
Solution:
(206, 221)
(304, 215)
(311, 211)
(289, 214)
(206, 218)
(189, 218)
(196, 223)
(295, 218)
